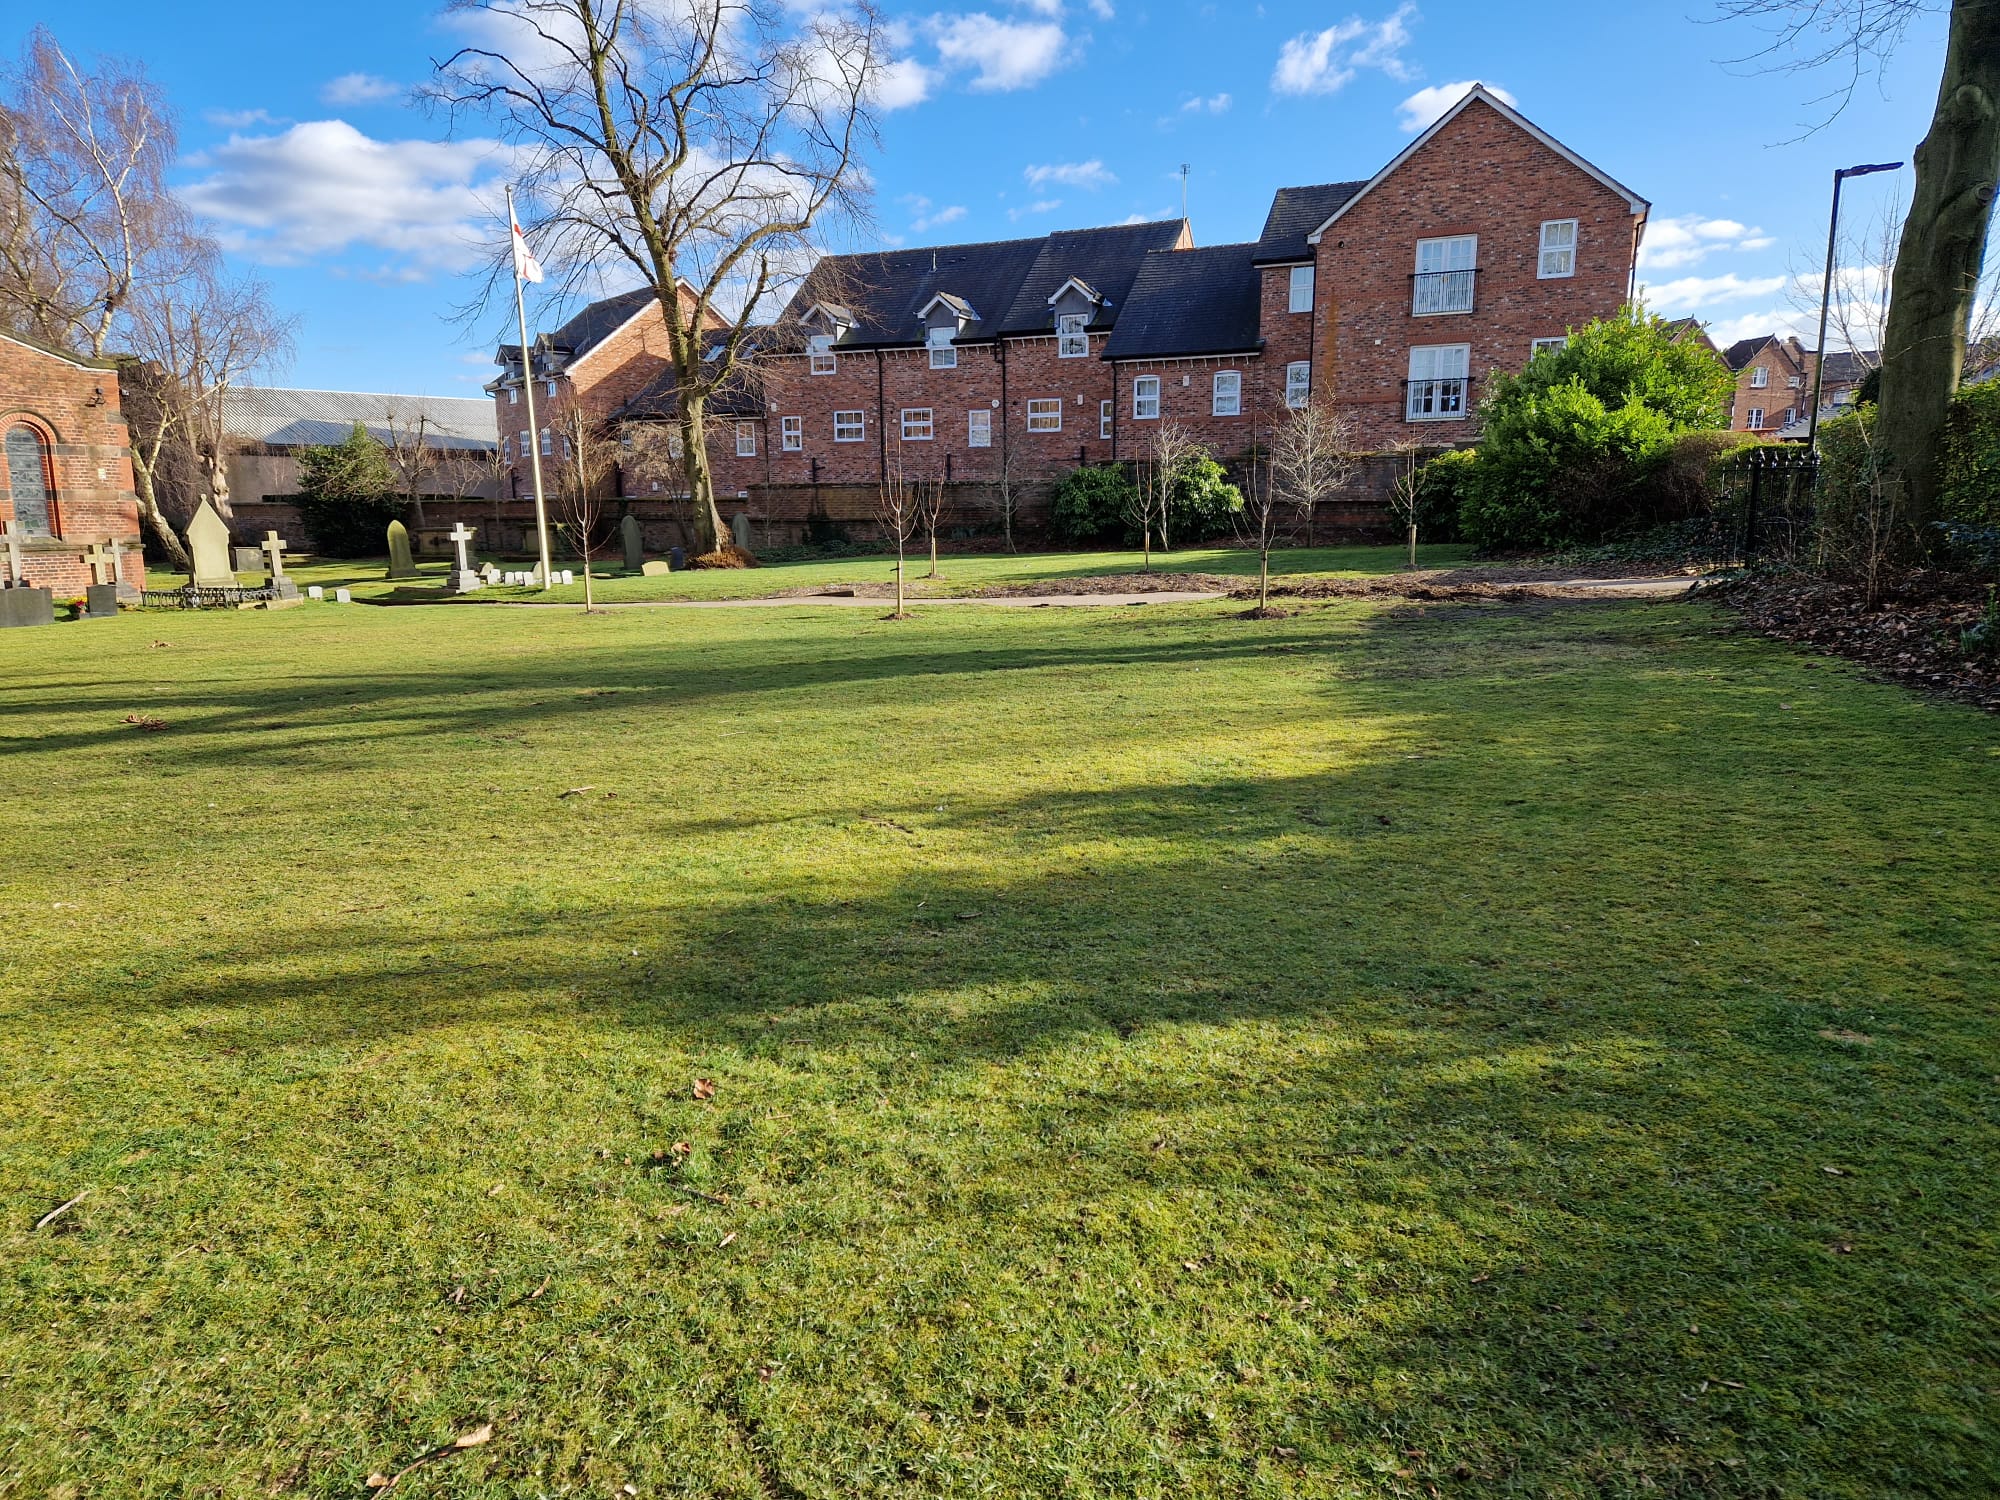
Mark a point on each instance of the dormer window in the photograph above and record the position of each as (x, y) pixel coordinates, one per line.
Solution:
(820, 348)
(1759, 378)
(1072, 342)
(944, 356)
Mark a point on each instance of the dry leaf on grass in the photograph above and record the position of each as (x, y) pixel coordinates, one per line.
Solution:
(473, 1439)
(56, 1213)
(575, 791)
(704, 1088)
(144, 721)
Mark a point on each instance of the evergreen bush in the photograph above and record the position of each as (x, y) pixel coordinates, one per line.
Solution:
(344, 498)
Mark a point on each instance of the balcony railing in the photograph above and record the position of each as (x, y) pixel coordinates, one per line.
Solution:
(1435, 400)
(1442, 292)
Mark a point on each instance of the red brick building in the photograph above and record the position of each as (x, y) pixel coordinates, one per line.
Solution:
(1395, 296)
(65, 468)
(1774, 378)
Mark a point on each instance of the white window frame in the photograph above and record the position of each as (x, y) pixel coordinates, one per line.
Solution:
(1299, 290)
(1072, 336)
(550, 392)
(1226, 394)
(850, 426)
(1536, 346)
(944, 354)
(746, 439)
(548, 443)
(1440, 355)
(1439, 255)
(1556, 260)
(521, 447)
(824, 361)
(1045, 414)
(917, 424)
(1759, 377)
(979, 427)
(513, 395)
(792, 434)
(1795, 381)
(1142, 398)
(1754, 418)
(1298, 384)
(507, 449)
(1104, 421)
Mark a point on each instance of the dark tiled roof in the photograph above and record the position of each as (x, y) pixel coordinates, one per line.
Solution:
(1105, 260)
(1007, 283)
(583, 332)
(1685, 328)
(1740, 353)
(657, 399)
(1848, 367)
(1190, 302)
(1295, 213)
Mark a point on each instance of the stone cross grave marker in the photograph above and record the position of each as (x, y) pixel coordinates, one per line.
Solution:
(103, 563)
(634, 539)
(401, 565)
(208, 541)
(125, 590)
(464, 577)
(739, 528)
(10, 539)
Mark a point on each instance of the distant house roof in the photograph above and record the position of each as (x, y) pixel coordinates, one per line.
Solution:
(1008, 283)
(1740, 353)
(1680, 329)
(1848, 366)
(739, 396)
(279, 417)
(1189, 302)
(1295, 213)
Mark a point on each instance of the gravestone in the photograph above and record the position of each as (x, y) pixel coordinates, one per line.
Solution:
(464, 577)
(400, 563)
(100, 601)
(245, 560)
(677, 560)
(565, 577)
(342, 596)
(208, 542)
(273, 547)
(315, 592)
(125, 590)
(13, 572)
(102, 562)
(739, 527)
(657, 568)
(634, 539)
(534, 578)
(21, 605)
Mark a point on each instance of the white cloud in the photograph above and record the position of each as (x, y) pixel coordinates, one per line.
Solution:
(1102, 9)
(240, 119)
(1090, 174)
(322, 187)
(1039, 206)
(1690, 293)
(1322, 62)
(923, 216)
(360, 88)
(1723, 332)
(1002, 55)
(1425, 106)
(1216, 105)
(903, 82)
(1689, 239)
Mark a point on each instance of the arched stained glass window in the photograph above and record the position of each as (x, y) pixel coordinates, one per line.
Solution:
(28, 482)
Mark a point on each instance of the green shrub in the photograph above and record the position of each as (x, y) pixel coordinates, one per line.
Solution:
(1572, 448)
(1091, 505)
(343, 500)
(1441, 491)
(1203, 503)
(1969, 484)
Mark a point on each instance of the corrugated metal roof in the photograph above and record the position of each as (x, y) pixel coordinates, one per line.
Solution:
(284, 418)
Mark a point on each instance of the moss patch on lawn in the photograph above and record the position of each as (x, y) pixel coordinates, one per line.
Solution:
(1401, 1049)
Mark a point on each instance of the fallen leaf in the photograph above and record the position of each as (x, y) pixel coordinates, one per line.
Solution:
(144, 721)
(1834, 1171)
(727, 1238)
(575, 791)
(56, 1213)
(474, 1438)
(1850, 1038)
(704, 1088)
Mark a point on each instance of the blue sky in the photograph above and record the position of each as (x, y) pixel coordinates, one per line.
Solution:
(1017, 116)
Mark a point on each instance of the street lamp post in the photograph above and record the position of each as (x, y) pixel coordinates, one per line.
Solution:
(1841, 174)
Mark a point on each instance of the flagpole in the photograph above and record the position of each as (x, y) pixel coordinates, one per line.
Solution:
(528, 388)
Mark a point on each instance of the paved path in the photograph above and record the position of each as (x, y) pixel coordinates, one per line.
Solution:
(1623, 588)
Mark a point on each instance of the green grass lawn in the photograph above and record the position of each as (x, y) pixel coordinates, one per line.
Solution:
(961, 573)
(1454, 1051)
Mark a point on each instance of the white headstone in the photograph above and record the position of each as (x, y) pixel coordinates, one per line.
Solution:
(491, 572)
(315, 592)
(208, 541)
(566, 576)
(343, 596)
(10, 549)
(464, 578)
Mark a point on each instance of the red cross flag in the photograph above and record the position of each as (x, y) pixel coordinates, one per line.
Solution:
(525, 265)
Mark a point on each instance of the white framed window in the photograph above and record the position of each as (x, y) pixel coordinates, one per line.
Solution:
(746, 439)
(1843, 397)
(521, 448)
(848, 427)
(1558, 252)
(1795, 381)
(916, 424)
(1045, 414)
(675, 448)
(565, 445)
(1439, 375)
(944, 355)
(824, 360)
(1791, 416)
(551, 389)
(979, 428)
(507, 449)
(1071, 340)
(1145, 398)
(1445, 270)
(1301, 290)
(547, 446)
(1536, 346)
(1755, 418)
(513, 395)
(792, 433)
(1759, 378)
(1104, 420)
(1298, 383)
(1227, 398)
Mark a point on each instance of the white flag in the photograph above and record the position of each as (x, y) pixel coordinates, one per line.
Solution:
(525, 265)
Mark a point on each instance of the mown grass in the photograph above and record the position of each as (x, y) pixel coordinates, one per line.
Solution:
(1461, 1051)
(959, 574)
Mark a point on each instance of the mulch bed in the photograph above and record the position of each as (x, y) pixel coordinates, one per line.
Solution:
(1909, 635)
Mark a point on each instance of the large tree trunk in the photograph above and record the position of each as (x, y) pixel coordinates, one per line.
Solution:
(701, 480)
(149, 512)
(1937, 265)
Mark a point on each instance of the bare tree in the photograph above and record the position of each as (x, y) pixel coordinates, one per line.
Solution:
(1943, 244)
(1406, 489)
(931, 515)
(900, 505)
(703, 144)
(1009, 490)
(654, 457)
(413, 457)
(1168, 452)
(585, 467)
(1310, 459)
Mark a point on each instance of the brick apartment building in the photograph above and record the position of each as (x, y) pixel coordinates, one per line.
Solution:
(1395, 296)
(1774, 379)
(65, 468)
